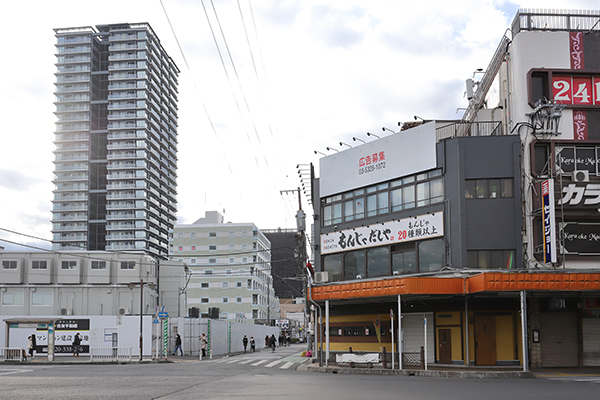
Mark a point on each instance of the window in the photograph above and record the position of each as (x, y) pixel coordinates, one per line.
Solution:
(238, 300)
(225, 285)
(12, 299)
(354, 265)
(212, 260)
(204, 300)
(491, 259)
(378, 262)
(208, 272)
(431, 255)
(212, 234)
(180, 235)
(231, 260)
(127, 264)
(9, 264)
(69, 264)
(231, 234)
(255, 299)
(254, 314)
(41, 299)
(225, 300)
(249, 284)
(193, 247)
(244, 260)
(244, 233)
(488, 188)
(204, 285)
(179, 248)
(98, 265)
(401, 194)
(39, 265)
(193, 235)
(212, 247)
(232, 247)
(333, 265)
(238, 284)
(192, 261)
(245, 246)
(404, 258)
(228, 272)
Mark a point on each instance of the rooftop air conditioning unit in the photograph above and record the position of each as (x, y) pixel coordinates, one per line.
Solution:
(322, 277)
(581, 176)
(123, 311)
(64, 311)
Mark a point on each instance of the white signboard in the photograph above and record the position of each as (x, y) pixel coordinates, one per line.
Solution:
(405, 230)
(400, 154)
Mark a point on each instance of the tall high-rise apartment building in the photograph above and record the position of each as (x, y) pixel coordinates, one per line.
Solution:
(116, 140)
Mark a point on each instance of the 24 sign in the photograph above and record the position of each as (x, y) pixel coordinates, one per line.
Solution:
(576, 90)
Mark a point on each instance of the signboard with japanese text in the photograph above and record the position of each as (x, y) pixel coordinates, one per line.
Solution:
(404, 230)
(578, 158)
(400, 154)
(548, 221)
(64, 334)
(581, 238)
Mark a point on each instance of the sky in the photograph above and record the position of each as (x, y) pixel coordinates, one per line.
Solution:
(263, 85)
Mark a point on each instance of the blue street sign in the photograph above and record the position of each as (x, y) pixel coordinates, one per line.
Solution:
(155, 321)
(163, 314)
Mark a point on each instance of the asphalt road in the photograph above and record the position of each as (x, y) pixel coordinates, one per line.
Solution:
(263, 376)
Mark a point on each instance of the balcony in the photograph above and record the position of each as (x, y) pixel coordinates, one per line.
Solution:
(464, 128)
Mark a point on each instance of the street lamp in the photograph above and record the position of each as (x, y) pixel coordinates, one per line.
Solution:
(131, 286)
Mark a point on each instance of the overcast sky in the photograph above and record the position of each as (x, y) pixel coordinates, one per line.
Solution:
(305, 75)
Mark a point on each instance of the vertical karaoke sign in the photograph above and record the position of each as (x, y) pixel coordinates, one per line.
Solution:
(548, 221)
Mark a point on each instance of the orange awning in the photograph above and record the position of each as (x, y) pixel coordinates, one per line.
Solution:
(484, 282)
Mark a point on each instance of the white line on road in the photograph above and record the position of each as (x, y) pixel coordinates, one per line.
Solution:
(14, 371)
(269, 365)
(286, 365)
(247, 361)
(258, 363)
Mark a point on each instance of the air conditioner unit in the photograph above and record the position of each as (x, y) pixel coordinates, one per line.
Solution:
(322, 277)
(64, 311)
(123, 310)
(581, 176)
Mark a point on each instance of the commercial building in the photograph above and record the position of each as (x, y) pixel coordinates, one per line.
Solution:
(481, 233)
(230, 266)
(115, 140)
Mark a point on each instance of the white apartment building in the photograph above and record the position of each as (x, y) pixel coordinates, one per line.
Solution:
(115, 140)
(230, 266)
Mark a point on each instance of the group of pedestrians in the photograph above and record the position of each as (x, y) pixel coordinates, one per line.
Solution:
(270, 342)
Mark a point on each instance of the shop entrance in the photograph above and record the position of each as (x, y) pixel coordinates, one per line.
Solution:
(485, 340)
(445, 346)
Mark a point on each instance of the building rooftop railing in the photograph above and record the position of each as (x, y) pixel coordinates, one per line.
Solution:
(465, 128)
(529, 19)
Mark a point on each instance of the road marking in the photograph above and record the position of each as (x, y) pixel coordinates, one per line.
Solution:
(232, 361)
(14, 371)
(248, 361)
(269, 365)
(258, 363)
(286, 365)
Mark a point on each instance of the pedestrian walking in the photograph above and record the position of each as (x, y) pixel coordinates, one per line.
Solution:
(30, 346)
(33, 345)
(76, 345)
(245, 342)
(267, 339)
(288, 340)
(272, 342)
(252, 344)
(177, 345)
(203, 343)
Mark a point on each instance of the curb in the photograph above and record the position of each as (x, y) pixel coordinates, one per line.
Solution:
(428, 373)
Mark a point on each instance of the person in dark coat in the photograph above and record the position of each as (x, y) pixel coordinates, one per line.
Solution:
(33, 344)
(76, 345)
(267, 341)
(272, 342)
(252, 344)
(178, 345)
(245, 342)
